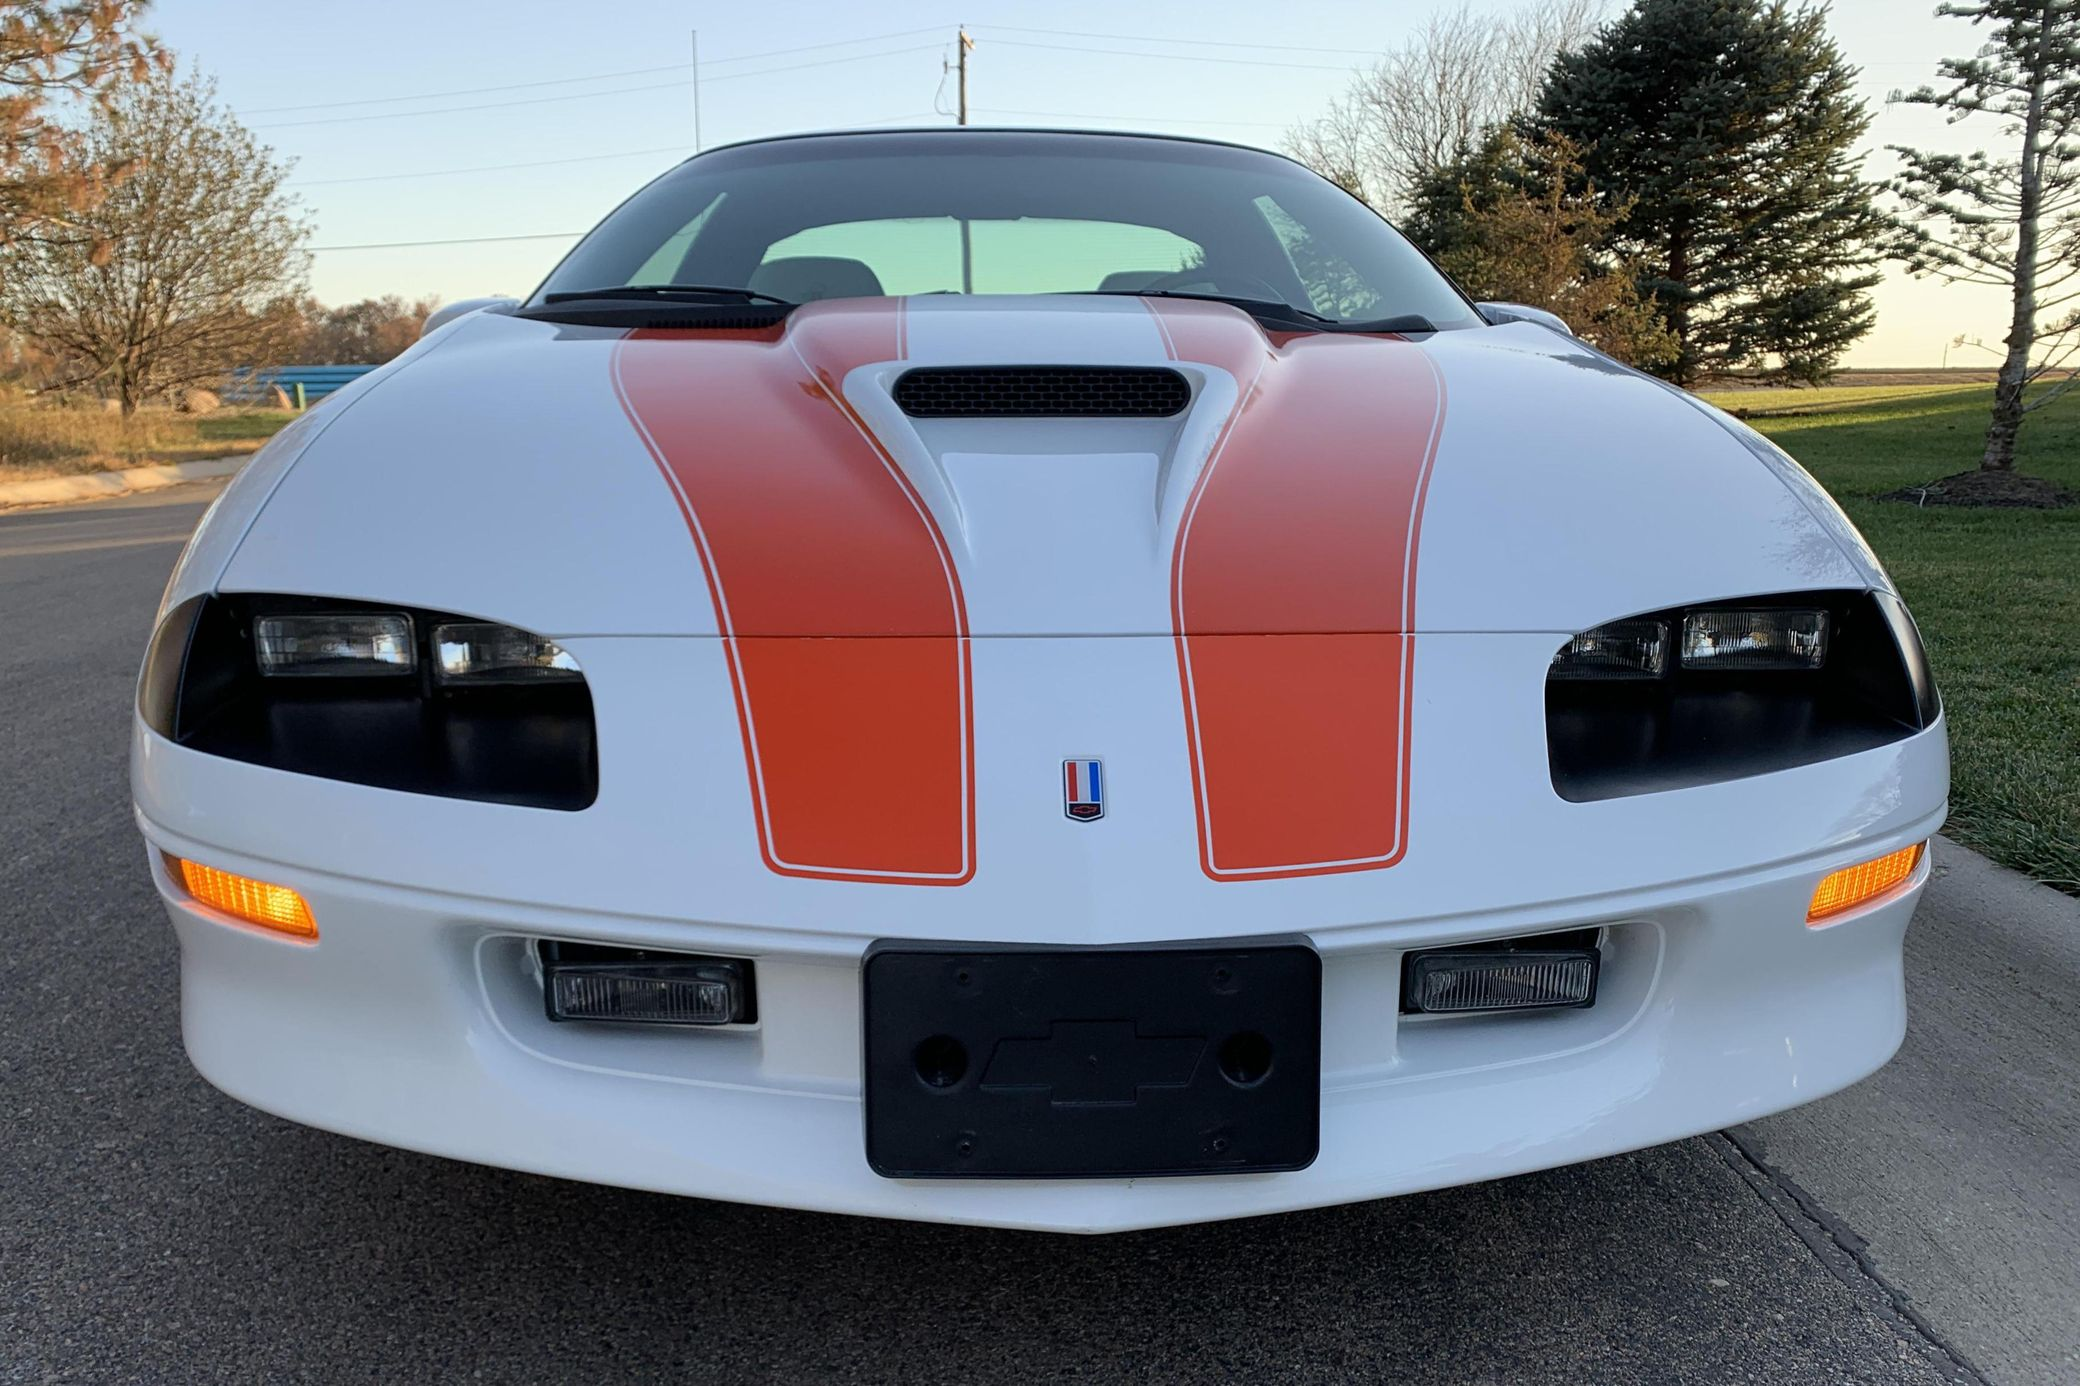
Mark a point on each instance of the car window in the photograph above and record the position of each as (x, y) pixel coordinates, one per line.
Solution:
(1011, 212)
(662, 267)
(1035, 255)
(1334, 286)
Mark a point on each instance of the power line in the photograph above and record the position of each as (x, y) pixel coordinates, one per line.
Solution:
(539, 163)
(889, 120)
(812, 47)
(1200, 43)
(1159, 120)
(831, 62)
(479, 106)
(588, 95)
(467, 91)
(490, 168)
(1173, 57)
(588, 77)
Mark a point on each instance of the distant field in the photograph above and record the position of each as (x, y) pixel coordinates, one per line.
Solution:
(1996, 592)
(39, 439)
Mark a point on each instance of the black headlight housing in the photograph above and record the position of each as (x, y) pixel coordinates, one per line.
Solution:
(1759, 684)
(391, 696)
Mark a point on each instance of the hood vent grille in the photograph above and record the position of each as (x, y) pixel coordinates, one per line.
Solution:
(1032, 392)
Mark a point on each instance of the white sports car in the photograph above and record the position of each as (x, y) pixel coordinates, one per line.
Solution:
(948, 674)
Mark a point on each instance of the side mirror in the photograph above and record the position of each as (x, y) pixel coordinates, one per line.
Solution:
(447, 313)
(1497, 313)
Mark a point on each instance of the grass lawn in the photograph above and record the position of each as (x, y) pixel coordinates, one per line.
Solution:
(1996, 593)
(39, 439)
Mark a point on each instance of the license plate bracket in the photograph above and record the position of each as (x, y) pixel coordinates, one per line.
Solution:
(985, 1061)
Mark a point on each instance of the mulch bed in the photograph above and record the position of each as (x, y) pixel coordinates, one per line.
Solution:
(2002, 490)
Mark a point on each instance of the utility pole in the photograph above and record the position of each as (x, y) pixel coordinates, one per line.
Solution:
(965, 45)
(967, 241)
(696, 91)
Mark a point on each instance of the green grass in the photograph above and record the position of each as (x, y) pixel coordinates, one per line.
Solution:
(242, 425)
(1996, 593)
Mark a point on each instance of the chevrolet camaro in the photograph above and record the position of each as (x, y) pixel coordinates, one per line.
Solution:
(1042, 679)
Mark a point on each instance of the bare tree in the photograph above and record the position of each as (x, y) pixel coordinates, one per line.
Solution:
(1437, 96)
(369, 332)
(2011, 222)
(85, 49)
(203, 253)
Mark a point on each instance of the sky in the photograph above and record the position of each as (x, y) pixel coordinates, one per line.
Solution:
(512, 126)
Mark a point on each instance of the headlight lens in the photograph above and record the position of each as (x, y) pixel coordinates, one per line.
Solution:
(1699, 694)
(334, 644)
(1743, 641)
(479, 652)
(332, 688)
(1620, 650)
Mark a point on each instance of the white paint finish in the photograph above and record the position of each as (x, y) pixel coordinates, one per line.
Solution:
(1060, 330)
(672, 836)
(1062, 543)
(498, 478)
(1569, 491)
(387, 1030)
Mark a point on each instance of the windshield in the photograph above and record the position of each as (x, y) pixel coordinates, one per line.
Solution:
(1010, 212)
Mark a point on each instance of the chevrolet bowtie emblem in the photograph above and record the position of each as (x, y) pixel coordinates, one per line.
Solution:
(1093, 1062)
(1083, 789)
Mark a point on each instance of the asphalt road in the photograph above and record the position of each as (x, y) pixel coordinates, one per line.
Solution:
(1923, 1227)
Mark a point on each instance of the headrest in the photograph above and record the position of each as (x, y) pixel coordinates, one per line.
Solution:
(805, 278)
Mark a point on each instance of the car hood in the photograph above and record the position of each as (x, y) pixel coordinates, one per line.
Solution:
(588, 481)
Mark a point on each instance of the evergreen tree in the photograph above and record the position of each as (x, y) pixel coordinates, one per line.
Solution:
(1512, 223)
(1728, 127)
(2015, 221)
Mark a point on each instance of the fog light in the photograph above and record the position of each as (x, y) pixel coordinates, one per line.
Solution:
(256, 902)
(640, 987)
(1453, 980)
(1862, 883)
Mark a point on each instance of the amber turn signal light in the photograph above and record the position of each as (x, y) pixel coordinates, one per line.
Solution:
(1864, 882)
(256, 902)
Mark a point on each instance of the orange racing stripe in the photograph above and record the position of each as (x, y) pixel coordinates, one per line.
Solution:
(835, 592)
(1293, 595)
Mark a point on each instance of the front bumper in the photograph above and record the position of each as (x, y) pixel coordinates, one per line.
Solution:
(417, 1021)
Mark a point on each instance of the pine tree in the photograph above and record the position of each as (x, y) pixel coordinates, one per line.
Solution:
(1729, 126)
(2014, 221)
(1514, 223)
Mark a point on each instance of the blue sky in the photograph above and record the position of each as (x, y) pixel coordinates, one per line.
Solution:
(315, 82)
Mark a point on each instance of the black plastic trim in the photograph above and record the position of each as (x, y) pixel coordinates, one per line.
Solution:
(1609, 739)
(529, 745)
(1008, 1061)
(1036, 392)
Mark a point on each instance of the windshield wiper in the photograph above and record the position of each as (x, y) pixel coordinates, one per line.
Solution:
(1255, 307)
(1407, 322)
(1278, 311)
(728, 292)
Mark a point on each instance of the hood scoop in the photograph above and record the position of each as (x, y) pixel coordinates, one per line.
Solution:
(1033, 392)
